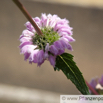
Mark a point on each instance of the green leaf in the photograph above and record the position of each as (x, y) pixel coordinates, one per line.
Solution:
(68, 66)
(56, 68)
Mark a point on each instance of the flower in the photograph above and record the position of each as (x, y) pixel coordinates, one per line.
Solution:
(97, 84)
(57, 35)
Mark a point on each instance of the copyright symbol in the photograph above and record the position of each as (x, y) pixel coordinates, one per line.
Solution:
(63, 98)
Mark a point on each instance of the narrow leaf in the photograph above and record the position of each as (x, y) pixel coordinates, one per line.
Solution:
(68, 66)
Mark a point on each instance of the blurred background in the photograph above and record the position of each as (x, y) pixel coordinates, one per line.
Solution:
(21, 82)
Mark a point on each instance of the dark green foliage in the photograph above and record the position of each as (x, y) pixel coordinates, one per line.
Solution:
(65, 63)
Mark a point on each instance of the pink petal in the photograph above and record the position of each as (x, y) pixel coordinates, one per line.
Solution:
(40, 56)
(58, 44)
(53, 49)
(52, 60)
(25, 43)
(47, 47)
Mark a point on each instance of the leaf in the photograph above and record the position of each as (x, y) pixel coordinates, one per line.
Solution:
(56, 68)
(68, 66)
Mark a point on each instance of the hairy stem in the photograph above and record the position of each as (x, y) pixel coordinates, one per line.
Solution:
(27, 15)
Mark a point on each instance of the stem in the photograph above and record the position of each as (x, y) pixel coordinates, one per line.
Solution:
(92, 89)
(27, 15)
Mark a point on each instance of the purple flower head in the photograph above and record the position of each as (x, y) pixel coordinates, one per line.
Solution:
(97, 84)
(101, 81)
(57, 35)
(94, 82)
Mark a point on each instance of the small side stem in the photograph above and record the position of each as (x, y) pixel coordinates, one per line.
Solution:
(92, 89)
(27, 15)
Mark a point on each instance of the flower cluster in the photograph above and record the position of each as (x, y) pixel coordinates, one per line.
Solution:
(97, 84)
(57, 35)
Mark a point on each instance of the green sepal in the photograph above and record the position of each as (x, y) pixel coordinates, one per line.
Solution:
(65, 63)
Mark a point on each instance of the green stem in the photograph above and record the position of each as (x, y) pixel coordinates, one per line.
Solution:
(27, 15)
